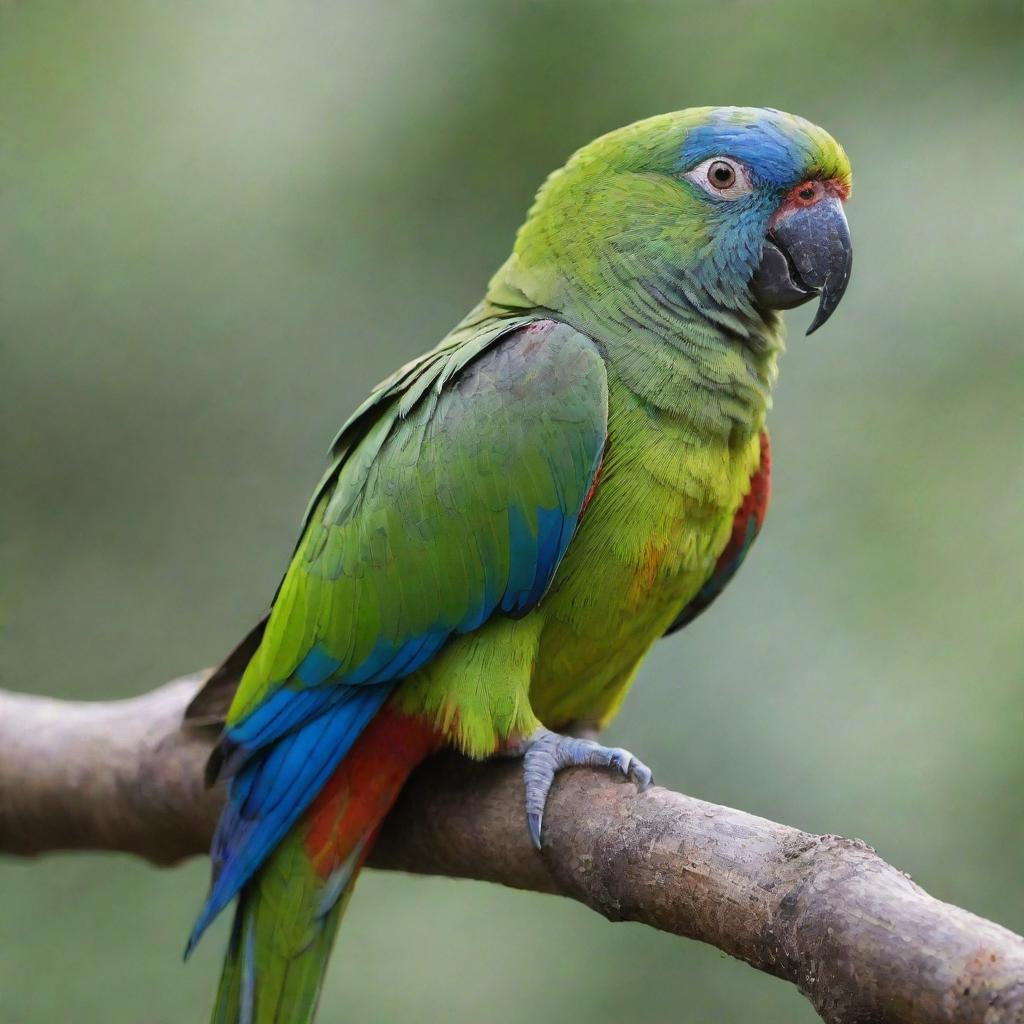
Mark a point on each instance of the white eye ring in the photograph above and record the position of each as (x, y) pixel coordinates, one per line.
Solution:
(721, 177)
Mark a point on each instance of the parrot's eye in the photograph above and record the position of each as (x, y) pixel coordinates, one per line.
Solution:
(721, 177)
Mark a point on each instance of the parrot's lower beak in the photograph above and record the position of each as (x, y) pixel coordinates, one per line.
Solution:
(807, 252)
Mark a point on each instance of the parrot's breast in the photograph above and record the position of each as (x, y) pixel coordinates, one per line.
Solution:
(659, 520)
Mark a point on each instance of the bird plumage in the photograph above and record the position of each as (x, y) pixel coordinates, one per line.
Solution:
(508, 522)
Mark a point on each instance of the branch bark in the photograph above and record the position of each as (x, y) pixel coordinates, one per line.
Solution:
(859, 938)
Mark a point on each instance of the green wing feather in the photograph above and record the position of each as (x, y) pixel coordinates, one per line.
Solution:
(440, 506)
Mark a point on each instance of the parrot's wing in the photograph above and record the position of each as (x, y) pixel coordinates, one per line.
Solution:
(457, 500)
(394, 396)
(453, 497)
(746, 525)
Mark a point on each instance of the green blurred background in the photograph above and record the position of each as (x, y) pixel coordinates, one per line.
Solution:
(222, 223)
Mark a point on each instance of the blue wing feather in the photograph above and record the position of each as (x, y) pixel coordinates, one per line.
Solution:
(273, 789)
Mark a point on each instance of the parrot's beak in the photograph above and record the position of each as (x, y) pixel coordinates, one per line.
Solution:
(807, 252)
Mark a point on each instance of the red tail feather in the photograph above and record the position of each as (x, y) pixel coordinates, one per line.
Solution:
(363, 788)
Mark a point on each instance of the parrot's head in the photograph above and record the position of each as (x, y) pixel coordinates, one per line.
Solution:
(721, 213)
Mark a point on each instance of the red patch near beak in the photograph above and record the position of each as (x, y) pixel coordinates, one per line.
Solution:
(807, 193)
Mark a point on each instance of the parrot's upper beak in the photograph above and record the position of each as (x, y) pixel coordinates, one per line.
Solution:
(807, 252)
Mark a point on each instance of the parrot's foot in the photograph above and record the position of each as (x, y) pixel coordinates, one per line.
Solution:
(546, 753)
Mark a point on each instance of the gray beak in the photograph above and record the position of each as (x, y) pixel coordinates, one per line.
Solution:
(807, 253)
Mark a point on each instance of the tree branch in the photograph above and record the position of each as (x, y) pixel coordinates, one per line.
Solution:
(859, 938)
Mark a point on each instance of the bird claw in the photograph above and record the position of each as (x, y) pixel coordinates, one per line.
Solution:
(546, 753)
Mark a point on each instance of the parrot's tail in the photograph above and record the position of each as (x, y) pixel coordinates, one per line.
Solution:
(288, 915)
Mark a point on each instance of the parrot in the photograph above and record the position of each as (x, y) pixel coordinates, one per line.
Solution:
(509, 522)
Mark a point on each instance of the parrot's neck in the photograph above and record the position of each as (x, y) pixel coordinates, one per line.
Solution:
(709, 368)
